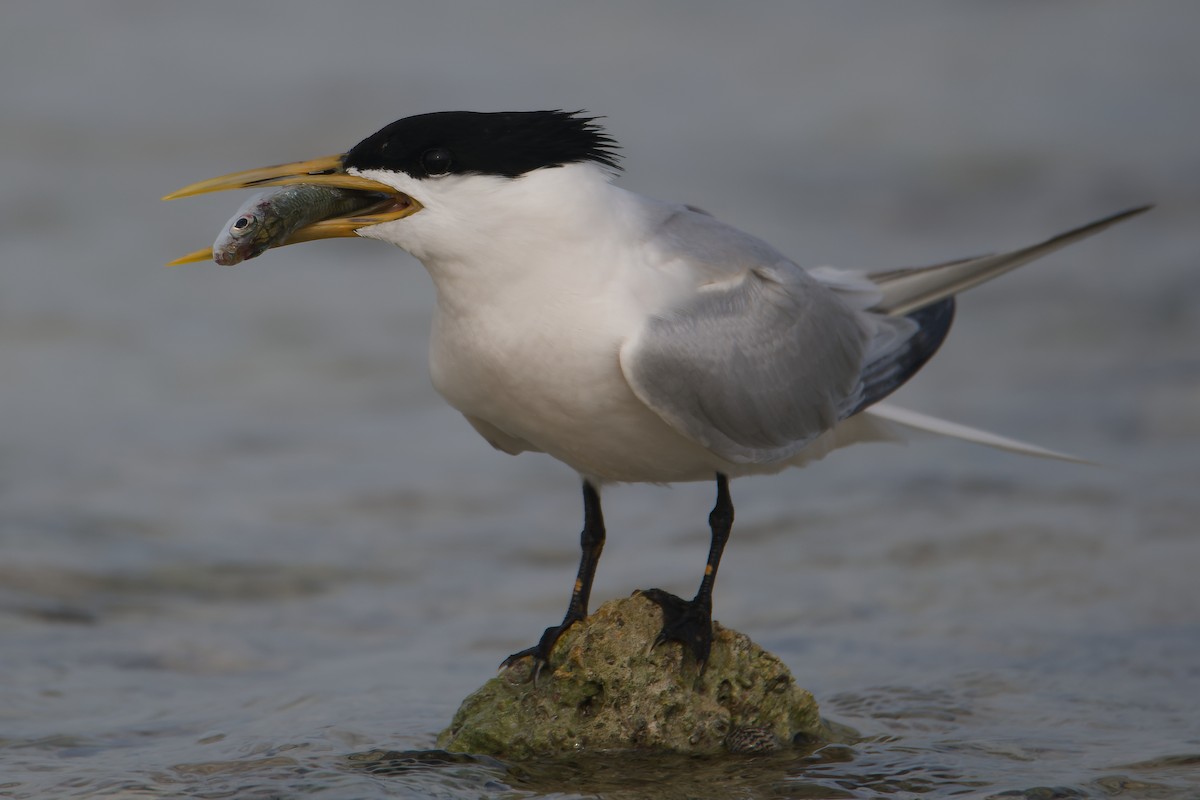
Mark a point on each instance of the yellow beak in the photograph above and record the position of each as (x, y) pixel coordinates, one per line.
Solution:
(326, 171)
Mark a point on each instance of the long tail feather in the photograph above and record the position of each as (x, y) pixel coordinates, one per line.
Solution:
(924, 422)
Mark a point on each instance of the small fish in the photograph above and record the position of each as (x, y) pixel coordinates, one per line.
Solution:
(268, 219)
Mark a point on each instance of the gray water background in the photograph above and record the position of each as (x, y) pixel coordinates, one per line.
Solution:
(241, 538)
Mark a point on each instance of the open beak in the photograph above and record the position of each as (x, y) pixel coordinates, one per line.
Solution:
(326, 171)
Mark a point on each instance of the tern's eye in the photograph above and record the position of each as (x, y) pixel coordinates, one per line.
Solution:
(241, 225)
(436, 161)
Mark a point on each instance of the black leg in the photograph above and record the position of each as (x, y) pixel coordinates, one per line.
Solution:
(591, 543)
(690, 622)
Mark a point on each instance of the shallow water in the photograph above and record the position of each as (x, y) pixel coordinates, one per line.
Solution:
(245, 551)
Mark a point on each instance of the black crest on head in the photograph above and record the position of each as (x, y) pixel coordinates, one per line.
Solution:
(508, 143)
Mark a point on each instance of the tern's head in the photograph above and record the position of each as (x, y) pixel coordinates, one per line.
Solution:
(479, 172)
(450, 173)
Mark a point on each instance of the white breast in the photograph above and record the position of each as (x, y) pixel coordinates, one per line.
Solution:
(539, 362)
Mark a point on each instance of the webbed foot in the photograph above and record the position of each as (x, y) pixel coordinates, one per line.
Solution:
(685, 621)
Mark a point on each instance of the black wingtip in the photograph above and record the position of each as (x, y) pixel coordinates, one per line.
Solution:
(1113, 219)
(884, 376)
(1127, 214)
(1092, 228)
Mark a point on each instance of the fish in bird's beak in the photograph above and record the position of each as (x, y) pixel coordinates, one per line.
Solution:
(324, 171)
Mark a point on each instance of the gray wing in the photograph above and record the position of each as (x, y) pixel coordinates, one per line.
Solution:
(760, 360)
(764, 357)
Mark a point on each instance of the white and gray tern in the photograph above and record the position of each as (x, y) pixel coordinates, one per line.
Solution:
(636, 340)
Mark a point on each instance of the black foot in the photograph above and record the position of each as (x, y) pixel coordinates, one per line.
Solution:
(684, 621)
(540, 652)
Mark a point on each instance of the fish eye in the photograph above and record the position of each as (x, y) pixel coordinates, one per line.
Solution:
(436, 161)
(241, 225)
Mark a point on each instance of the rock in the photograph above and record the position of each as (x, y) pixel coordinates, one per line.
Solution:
(606, 688)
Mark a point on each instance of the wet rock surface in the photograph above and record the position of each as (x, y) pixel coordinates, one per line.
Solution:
(607, 688)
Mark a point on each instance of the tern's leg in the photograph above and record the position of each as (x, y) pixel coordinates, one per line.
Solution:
(690, 622)
(591, 542)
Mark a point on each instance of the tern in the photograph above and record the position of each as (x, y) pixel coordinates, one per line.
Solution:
(636, 340)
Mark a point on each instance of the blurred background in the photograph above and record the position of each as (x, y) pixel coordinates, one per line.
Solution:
(241, 536)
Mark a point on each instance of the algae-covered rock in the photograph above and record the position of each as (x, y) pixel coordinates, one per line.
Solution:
(607, 688)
